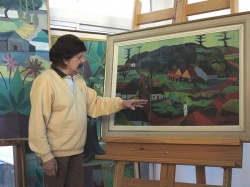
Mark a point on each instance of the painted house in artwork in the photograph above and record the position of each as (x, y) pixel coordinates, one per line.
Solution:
(183, 74)
(173, 77)
(12, 42)
(128, 91)
(130, 63)
(180, 71)
(206, 72)
(189, 74)
(156, 93)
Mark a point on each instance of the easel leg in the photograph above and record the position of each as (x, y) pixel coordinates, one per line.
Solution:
(227, 177)
(200, 175)
(119, 170)
(136, 170)
(167, 177)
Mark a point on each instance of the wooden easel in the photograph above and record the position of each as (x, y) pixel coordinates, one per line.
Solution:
(169, 152)
(180, 11)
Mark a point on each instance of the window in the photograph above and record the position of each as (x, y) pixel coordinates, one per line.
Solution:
(12, 163)
(6, 166)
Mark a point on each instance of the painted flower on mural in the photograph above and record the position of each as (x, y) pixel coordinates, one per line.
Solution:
(11, 64)
(15, 90)
(33, 67)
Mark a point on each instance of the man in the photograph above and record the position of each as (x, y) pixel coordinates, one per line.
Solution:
(60, 103)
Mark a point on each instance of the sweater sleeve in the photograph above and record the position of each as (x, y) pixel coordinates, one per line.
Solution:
(41, 99)
(101, 106)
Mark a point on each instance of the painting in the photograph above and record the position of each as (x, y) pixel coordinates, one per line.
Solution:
(194, 76)
(24, 45)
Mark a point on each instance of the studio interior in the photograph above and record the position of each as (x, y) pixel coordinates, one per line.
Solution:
(176, 73)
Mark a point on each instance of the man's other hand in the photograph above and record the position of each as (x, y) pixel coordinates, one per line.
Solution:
(50, 167)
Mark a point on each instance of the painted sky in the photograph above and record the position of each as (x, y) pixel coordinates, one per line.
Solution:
(211, 39)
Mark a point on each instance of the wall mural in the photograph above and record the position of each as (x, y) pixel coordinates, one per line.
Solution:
(24, 48)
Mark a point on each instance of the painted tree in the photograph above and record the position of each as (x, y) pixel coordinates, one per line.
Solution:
(123, 71)
(128, 53)
(8, 4)
(224, 38)
(20, 6)
(200, 38)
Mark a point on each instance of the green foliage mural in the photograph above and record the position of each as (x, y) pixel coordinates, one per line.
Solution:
(14, 93)
(24, 55)
(93, 70)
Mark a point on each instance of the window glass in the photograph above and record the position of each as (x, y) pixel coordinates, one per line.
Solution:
(6, 167)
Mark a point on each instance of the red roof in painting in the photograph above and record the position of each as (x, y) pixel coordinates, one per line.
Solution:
(173, 75)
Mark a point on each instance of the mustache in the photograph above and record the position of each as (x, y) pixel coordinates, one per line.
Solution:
(79, 66)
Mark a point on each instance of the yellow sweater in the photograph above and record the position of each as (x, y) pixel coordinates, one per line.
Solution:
(58, 117)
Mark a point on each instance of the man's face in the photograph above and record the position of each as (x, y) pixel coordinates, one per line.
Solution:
(74, 64)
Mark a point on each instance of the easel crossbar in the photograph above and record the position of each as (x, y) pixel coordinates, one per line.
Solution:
(167, 178)
(173, 140)
(132, 182)
(192, 9)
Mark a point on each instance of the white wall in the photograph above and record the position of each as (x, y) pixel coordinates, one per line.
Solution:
(113, 16)
(109, 16)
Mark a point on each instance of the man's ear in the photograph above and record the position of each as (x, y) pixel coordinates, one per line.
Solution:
(66, 62)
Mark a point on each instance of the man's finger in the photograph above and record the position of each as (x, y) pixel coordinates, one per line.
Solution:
(139, 106)
(53, 172)
(56, 168)
(48, 172)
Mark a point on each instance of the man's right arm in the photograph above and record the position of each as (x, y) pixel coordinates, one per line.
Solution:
(40, 98)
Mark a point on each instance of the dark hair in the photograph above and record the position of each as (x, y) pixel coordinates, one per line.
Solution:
(65, 48)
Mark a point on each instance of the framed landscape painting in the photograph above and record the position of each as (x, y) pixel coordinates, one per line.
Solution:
(195, 76)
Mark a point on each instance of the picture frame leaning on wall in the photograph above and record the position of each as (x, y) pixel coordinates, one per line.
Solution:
(194, 75)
